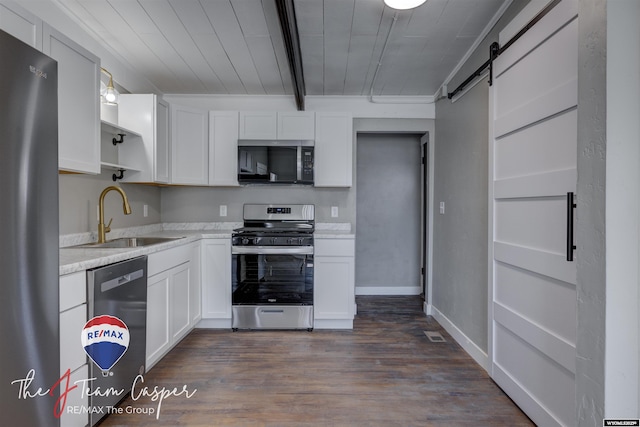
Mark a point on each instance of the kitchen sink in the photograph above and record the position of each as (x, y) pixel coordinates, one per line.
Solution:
(129, 242)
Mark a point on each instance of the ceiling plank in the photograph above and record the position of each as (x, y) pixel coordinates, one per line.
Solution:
(338, 19)
(273, 23)
(165, 17)
(225, 23)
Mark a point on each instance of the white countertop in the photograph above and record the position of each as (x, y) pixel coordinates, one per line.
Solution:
(74, 259)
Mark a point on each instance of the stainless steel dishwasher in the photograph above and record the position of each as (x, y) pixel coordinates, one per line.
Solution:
(119, 290)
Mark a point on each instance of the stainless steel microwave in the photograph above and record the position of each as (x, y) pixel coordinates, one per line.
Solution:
(275, 162)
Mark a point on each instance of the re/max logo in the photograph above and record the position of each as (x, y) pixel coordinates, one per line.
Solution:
(103, 333)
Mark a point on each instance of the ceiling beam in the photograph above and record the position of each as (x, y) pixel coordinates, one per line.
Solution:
(289, 26)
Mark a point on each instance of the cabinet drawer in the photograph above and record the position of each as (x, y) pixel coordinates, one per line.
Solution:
(164, 260)
(334, 247)
(73, 290)
(72, 355)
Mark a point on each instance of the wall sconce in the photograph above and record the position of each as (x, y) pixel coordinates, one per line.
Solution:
(403, 4)
(108, 93)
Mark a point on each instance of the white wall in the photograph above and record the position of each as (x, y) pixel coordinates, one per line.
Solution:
(623, 211)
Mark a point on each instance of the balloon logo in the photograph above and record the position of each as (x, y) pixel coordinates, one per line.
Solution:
(105, 340)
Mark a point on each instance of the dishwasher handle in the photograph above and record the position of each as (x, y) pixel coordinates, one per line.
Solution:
(122, 280)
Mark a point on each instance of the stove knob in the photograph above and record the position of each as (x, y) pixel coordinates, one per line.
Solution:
(256, 240)
(300, 241)
(245, 241)
(274, 240)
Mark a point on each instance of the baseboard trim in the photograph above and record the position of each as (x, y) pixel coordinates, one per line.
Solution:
(427, 308)
(479, 355)
(388, 290)
(333, 324)
(214, 324)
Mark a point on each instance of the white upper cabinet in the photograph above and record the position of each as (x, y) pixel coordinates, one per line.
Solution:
(296, 125)
(333, 150)
(258, 125)
(280, 125)
(162, 166)
(21, 24)
(223, 148)
(78, 103)
(189, 145)
(149, 116)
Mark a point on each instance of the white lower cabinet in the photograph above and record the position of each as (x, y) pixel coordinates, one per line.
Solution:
(73, 316)
(195, 288)
(334, 284)
(179, 289)
(158, 336)
(170, 292)
(216, 283)
(75, 399)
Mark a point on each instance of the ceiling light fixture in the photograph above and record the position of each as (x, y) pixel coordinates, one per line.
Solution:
(109, 93)
(403, 4)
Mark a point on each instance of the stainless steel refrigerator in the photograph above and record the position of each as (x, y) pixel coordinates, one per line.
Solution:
(29, 319)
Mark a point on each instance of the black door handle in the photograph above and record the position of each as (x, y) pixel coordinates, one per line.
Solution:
(571, 205)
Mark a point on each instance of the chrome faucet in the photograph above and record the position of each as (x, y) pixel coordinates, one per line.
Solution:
(104, 229)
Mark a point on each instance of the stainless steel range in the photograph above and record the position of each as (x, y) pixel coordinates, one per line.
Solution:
(273, 268)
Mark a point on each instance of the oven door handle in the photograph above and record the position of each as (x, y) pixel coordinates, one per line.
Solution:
(272, 250)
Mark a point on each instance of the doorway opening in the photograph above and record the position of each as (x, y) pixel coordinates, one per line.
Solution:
(389, 237)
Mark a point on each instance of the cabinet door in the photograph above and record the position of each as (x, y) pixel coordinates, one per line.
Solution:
(223, 148)
(333, 287)
(149, 116)
(162, 142)
(78, 103)
(77, 399)
(158, 336)
(21, 24)
(179, 306)
(195, 299)
(258, 125)
(189, 145)
(216, 279)
(296, 125)
(72, 354)
(333, 150)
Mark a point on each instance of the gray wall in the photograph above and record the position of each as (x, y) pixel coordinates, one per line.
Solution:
(460, 180)
(388, 210)
(202, 204)
(78, 200)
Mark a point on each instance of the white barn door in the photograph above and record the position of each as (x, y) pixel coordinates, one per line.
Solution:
(533, 166)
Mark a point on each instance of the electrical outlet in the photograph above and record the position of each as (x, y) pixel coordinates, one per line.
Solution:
(145, 210)
(223, 210)
(334, 212)
(442, 208)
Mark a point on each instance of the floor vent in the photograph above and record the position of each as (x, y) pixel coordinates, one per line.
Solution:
(434, 336)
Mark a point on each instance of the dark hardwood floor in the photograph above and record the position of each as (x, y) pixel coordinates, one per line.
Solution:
(385, 372)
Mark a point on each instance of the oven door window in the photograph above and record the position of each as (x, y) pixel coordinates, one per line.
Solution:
(272, 279)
